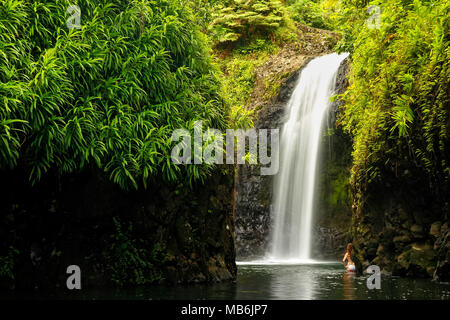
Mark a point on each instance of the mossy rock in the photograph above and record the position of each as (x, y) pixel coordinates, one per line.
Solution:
(419, 257)
(417, 231)
(400, 241)
(435, 229)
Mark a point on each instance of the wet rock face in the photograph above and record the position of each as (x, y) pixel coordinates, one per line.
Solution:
(69, 221)
(442, 248)
(402, 229)
(341, 84)
(329, 244)
(254, 191)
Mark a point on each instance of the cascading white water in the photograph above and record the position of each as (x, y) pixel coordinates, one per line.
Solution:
(299, 146)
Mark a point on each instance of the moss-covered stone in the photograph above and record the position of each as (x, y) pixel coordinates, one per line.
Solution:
(435, 229)
(419, 258)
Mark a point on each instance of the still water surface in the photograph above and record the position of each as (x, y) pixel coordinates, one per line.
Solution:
(305, 281)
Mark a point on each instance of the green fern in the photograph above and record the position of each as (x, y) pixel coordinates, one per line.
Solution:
(107, 95)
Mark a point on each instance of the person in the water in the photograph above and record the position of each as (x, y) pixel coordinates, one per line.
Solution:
(350, 264)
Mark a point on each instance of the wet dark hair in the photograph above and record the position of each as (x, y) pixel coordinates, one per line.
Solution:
(349, 248)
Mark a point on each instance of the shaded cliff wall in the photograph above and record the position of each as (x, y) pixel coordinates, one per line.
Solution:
(254, 191)
(163, 234)
(403, 227)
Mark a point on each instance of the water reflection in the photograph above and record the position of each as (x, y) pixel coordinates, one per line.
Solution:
(295, 283)
(349, 285)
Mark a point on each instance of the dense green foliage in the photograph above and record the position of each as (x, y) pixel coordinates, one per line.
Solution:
(397, 106)
(240, 69)
(308, 12)
(109, 94)
(237, 19)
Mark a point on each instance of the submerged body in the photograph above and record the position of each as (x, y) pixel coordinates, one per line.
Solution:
(348, 257)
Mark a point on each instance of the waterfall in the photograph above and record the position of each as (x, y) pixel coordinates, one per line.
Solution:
(293, 192)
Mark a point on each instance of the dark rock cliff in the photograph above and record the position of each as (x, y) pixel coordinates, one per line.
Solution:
(401, 223)
(163, 234)
(402, 228)
(254, 191)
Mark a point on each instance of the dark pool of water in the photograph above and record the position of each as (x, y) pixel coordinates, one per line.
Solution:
(315, 281)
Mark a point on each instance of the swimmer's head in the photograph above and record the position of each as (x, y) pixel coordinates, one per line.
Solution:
(349, 248)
